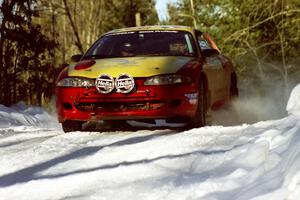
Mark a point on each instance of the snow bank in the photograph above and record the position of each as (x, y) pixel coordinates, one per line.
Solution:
(293, 105)
(23, 115)
(246, 162)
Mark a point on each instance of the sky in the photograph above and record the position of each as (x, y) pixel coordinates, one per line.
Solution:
(161, 7)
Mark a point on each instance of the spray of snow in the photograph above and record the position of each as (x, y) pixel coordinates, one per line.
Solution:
(22, 115)
(254, 106)
(249, 110)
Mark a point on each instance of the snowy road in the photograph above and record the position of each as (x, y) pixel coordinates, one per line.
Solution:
(258, 161)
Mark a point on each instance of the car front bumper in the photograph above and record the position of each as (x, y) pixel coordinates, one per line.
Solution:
(146, 102)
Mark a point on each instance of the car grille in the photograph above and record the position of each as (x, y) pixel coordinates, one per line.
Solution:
(119, 106)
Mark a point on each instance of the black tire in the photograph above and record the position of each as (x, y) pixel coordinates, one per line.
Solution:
(199, 120)
(234, 91)
(70, 126)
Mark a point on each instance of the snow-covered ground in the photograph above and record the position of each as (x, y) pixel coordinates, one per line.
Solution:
(249, 161)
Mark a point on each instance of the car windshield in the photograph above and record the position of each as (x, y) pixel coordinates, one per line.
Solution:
(143, 43)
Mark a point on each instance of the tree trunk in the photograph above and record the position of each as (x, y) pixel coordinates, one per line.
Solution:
(74, 28)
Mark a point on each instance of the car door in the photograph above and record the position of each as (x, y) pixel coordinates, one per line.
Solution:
(214, 71)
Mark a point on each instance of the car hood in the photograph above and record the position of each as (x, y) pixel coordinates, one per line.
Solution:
(134, 66)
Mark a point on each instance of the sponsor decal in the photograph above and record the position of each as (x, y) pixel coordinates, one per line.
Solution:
(104, 84)
(192, 98)
(124, 83)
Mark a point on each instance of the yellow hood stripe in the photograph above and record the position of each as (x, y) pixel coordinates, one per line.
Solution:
(134, 66)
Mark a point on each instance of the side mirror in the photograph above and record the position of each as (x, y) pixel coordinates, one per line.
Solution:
(209, 52)
(76, 58)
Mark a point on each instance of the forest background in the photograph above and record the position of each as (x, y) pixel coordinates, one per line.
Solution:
(38, 37)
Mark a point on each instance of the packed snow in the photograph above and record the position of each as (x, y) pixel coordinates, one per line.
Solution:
(259, 161)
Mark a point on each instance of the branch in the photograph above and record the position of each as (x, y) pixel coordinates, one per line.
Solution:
(237, 33)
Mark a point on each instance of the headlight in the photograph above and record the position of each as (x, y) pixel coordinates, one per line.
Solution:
(75, 82)
(167, 79)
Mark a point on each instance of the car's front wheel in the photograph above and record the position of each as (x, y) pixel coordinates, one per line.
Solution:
(234, 91)
(69, 126)
(199, 119)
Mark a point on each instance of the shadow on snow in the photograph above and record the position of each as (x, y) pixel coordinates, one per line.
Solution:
(29, 173)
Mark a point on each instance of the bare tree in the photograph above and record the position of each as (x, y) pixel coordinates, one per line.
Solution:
(74, 28)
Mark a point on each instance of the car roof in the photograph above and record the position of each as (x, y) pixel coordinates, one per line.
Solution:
(152, 28)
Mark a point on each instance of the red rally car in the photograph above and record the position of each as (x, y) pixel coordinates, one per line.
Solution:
(166, 74)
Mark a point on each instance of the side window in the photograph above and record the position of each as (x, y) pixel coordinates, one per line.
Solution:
(205, 47)
(212, 60)
(203, 44)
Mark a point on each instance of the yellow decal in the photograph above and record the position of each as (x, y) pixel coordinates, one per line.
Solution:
(134, 66)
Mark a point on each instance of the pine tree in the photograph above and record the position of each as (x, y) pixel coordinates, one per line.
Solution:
(22, 51)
